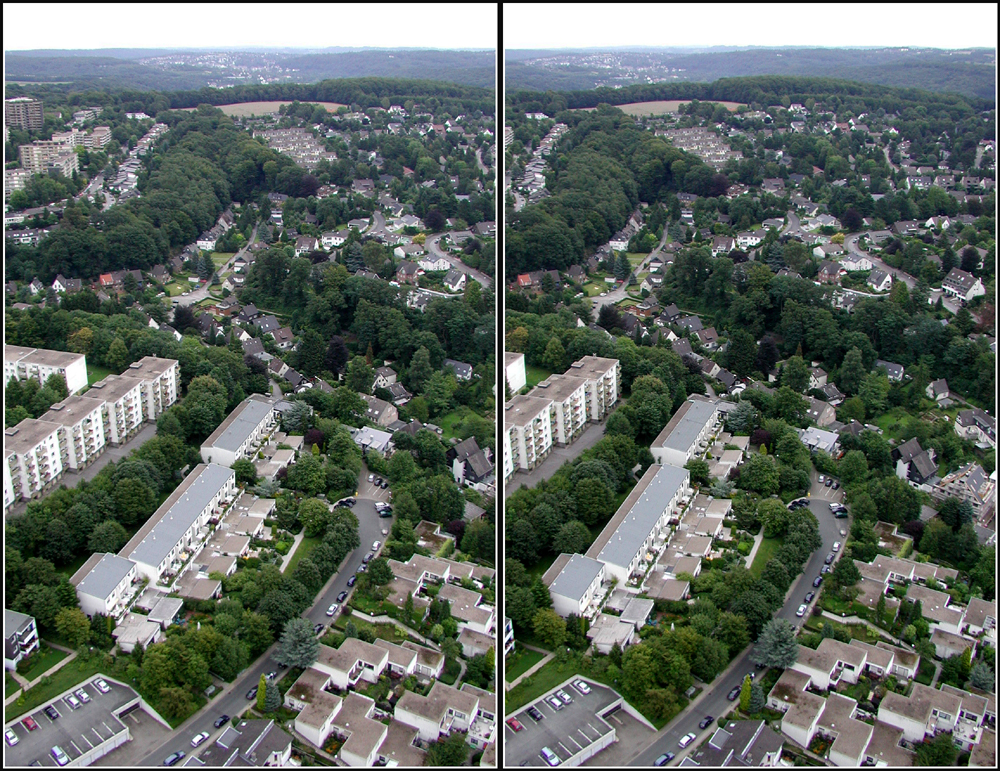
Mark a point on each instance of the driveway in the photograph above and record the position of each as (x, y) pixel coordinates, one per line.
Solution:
(713, 700)
(591, 435)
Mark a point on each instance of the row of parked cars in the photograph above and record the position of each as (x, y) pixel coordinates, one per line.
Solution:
(75, 700)
(556, 701)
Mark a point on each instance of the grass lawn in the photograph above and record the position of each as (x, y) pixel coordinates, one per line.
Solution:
(634, 258)
(926, 672)
(593, 290)
(535, 375)
(765, 552)
(44, 662)
(303, 550)
(69, 676)
(96, 373)
(10, 685)
(447, 422)
(520, 662)
(174, 288)
(894, 422)
(220, 258)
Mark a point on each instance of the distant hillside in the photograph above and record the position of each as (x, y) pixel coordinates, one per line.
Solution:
(101, 72)
(466, 68)
(970, 73)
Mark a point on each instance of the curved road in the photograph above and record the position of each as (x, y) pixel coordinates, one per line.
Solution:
(199, 294)
(234, 701)
(713, 700)
(436, 251)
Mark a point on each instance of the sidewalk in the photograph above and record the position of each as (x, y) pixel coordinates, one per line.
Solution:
(27, 686)
(295, 545)
(756, 544)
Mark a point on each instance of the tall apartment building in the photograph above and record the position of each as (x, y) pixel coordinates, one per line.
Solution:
(242, 430)
(42, 156)
(529, 421)
(604, 384)
(122, 410)
(158, 383)
(689, 428)
(24, 113)
(569, 405)
(80, 421)
(20, 363)
(31, 458)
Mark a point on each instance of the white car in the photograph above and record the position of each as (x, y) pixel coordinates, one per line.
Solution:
(102, 686)
(822, 479)
(10, 736)
(332, 609)
(371, 478)
(604, 294)
(686, 740)
(376, 545)
(82, 695)
(801, 611)
(73, 701)
(836, 545)
(199, 738)
(581, 686)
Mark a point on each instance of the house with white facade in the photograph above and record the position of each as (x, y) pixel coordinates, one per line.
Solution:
(689, 429)
(106, 584)
(573, 581)
(20, 637)
(240, 433)
(20, 363)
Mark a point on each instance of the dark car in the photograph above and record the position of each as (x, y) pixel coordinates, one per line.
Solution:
(817, 580)
(535, 713)
(735, 693)
(252, 693)
(840, 515)
(342, 596)
(706, 721)
(809, 596)
(829, 558)
(368, 558)
(665, 758)
(836, 485)
(222, 720)
(51, 712)
(828, 482)
(316, 630)
(386, 512)
(384, 485)
(173, 759)
(351, 581)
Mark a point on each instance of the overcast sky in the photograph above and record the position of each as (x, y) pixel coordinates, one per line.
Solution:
(278, 25)
(607, 25)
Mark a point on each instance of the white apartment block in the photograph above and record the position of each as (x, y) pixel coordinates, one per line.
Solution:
(20, 637)
(180, 525)
(31, 459)
(603, 385)
(81, 430)
(568, 412)
(104, 584)
(573, 581)
(688, 432)
(514, 371)
(439, 712)
(529, 421)
(122, 411)
(643, 516)
(159, 379)
(354, 660)
(21, 363)
(240, 433)
(508, 636)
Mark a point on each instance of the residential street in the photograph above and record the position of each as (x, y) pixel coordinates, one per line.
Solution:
(713, 701)
(436, 251)
(233, 699)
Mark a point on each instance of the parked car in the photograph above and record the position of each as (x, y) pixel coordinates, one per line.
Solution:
(824, 570)
(371, 477)
(362, 568)
(817, 580)
(514, 724)
(342, 596)
(842, 514)
(535, 714)
(82, 695)
(706, 721)
(829, 482)
(686, 740)
(332, 609)
(51, 712)
(836, 546)
(550, 757)
(199, 739)
(665, 758)
(102, 686)
(734, 694)
(829, 558)
(316, 630)
(581, 686)
(352, 580)
(386, 512)
(821, 479)
(73, 701)
(10, 736)
(554, 703)
(836, 485)
(376, 545)
(271, 675)
(368, 558)
(174, 758)
(252, 693)
(809, 596)
(801, 611)
(29, 723)
(62, 758)
(567, 699)
(221, 720)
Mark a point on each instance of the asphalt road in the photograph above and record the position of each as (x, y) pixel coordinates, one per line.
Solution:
(793, 223)
(434, 248)
(713, 701)
(199, 294)
(234, 701)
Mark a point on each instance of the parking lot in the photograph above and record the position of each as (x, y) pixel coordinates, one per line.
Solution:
(370, 490)
(566, 731)
(76, 730)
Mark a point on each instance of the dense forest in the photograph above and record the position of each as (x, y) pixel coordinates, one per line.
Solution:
(110, 70)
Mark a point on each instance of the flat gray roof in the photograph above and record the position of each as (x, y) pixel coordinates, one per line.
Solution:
(685, 425)
(521, 410)
(26, 435)
(576, 576)
(632, 529)
(509, 357)
(558, 387)
(241, 422)
(113, 387)
(42, 356)
(71, 410)
(591, 367)
(105, 576)
(169, 522)
(150, 366)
